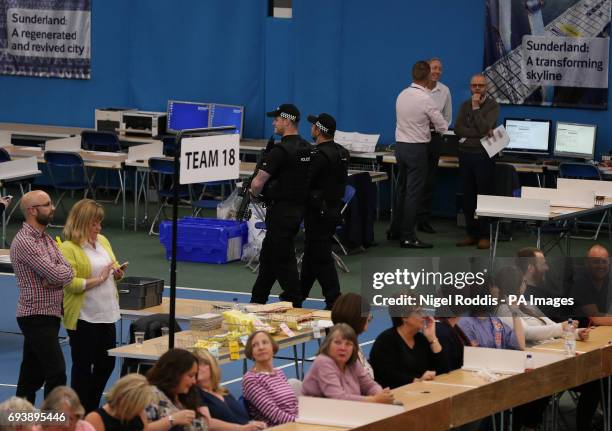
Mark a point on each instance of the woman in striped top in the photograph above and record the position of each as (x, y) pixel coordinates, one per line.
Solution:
(271, 399)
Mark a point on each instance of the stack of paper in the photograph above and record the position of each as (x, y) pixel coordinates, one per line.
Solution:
(357, 142)
(206, 322)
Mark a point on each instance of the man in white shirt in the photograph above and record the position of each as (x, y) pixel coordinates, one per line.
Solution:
(442, 99)
(415, 111)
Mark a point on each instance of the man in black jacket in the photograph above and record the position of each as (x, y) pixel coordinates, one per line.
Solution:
(328, 176)
(282, 181)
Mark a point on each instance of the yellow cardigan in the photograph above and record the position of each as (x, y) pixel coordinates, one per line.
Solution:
(74, 292)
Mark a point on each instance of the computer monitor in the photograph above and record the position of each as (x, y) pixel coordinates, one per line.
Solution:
(227, 115)
(575, 140)
(187, 115)
(527, 136)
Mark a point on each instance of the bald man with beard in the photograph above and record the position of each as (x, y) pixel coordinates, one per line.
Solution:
(41, 273)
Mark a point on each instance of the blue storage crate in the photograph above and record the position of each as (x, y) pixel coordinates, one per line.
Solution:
(205, 240)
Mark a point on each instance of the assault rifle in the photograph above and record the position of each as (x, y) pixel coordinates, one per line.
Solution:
(243, 213)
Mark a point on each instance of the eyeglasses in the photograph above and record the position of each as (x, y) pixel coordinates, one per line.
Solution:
(48, 204)
(478, 85)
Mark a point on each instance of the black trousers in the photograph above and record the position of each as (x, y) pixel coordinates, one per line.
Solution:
(590, 397)
(91, 364)
(277, 258)
(318, 263)
(412, 171)
(433, 156)
(43, 360)
(477, 174)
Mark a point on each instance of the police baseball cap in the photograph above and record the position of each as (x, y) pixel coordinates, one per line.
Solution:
(286, 110)
(324, 122)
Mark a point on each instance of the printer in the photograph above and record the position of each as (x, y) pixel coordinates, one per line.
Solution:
(143, 123)
(109, 119)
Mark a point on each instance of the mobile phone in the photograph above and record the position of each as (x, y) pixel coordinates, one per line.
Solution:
(124, 265)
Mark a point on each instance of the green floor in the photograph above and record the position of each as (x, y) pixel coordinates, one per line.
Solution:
(147, 257)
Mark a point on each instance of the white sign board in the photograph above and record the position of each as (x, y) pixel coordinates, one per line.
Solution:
(5, 139)
(146, 151)
(343, 413)
(210, 158)
(72, 144)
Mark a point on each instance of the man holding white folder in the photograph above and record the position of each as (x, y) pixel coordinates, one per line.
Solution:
(476, 119)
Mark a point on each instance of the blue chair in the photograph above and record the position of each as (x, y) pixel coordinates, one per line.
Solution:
(100, 141)
(169, 143)
(161, 172)
(349, 193)
(4, 156)
(585, 171)
(208, 201)
(67, 173)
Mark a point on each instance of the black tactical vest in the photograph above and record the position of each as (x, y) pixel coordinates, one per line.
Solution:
(291, 182)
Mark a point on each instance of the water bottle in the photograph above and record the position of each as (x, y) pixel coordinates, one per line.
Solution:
(529, 364)
(569, 339)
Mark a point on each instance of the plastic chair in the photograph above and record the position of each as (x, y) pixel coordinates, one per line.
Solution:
(586, 171)
(25, 185)
(349, 193)
(164, 168)
(67, 173)
(211, 203)
(169, 142)
(100, 141)
(4, 156)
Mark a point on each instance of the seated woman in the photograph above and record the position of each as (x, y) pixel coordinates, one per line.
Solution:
(124, 410)
(176, 402)
(64, 400)
(336, 372)
(16, 404)
(453, 340)
(403, 354)
(226, 413)
(91, 305)
(270, 396)
(350, 309)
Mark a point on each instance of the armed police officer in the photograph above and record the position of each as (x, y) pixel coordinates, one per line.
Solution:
(282, 182)
(328, 176)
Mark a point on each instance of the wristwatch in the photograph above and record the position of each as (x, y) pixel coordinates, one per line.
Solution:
(171, 421)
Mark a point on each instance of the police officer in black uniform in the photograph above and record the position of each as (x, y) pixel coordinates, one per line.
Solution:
(328, 177)
(282, 182)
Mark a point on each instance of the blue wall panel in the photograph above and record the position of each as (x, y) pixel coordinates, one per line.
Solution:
(347, 57)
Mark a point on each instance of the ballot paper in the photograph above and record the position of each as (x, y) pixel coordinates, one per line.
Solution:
(494, 144)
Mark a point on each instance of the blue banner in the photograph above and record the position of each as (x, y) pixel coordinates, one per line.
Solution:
(46, 38)
(548, 53)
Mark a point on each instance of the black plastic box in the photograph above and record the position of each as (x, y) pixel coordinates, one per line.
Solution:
(136, 293)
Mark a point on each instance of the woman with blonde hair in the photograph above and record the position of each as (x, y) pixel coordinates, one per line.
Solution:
(124, 410)
(16, 404)
(226, 413)
(64, 400)
(91, 305)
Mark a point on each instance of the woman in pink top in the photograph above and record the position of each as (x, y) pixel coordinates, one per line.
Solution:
(64, 400)
(336, 372)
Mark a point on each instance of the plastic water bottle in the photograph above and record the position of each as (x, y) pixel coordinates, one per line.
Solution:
(529, 364)
(569, 339)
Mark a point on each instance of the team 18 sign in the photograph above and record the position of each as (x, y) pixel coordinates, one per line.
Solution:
(210, 158)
